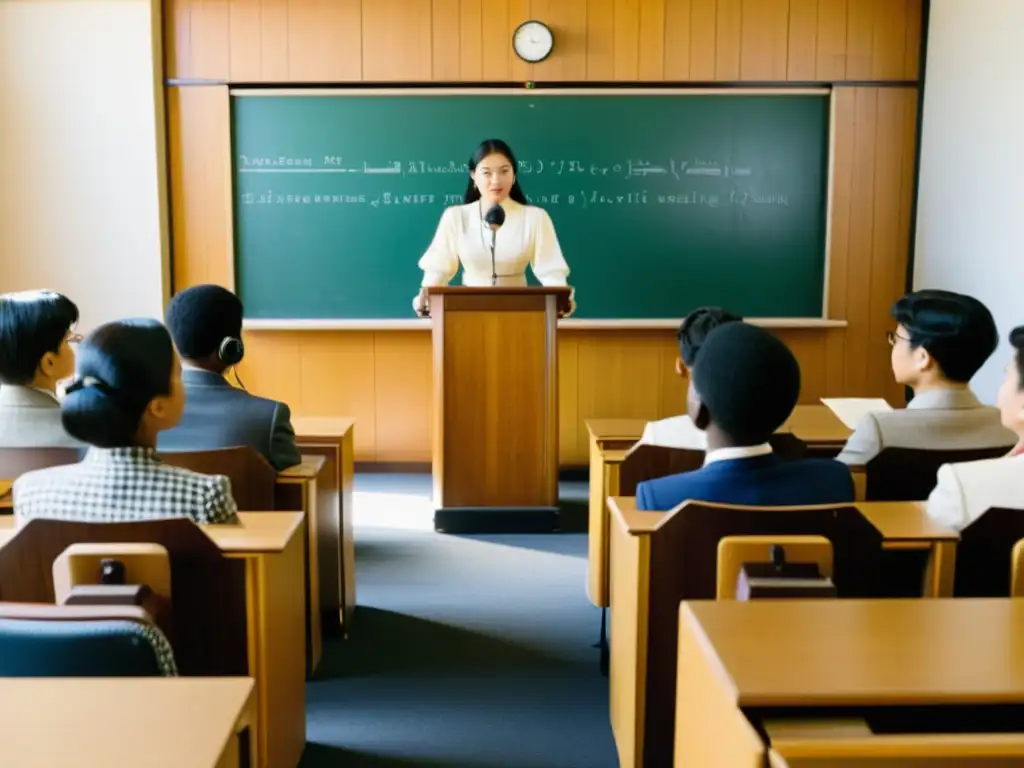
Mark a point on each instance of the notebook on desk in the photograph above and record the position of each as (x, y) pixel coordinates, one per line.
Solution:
(851, 410)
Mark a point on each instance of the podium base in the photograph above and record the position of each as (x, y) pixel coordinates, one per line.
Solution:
(496, 519)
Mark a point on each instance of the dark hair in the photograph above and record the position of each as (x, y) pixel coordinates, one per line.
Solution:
(201, 317)
(955, 329)
(121, 367)
(493, 147)
(32, 323)
(748, 380)
(1017, 339)
(695, 329)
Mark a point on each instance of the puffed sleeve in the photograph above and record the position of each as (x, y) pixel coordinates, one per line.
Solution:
(549, 265)
(946, 504)
(441, 261)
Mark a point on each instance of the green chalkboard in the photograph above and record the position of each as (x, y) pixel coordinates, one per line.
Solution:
(661, 202)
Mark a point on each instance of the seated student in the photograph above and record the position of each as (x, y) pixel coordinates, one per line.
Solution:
(940, 342)
(966, 491)
(35, 354)
(206, 324)
(127, 389)
(744, 386)
(679, 431)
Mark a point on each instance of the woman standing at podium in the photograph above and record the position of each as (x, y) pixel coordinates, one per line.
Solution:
(495, 234)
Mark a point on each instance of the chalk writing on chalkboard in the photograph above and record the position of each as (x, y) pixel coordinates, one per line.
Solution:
(583, 199)
(627, 169)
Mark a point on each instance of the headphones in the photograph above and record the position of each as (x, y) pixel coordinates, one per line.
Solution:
(231, 351)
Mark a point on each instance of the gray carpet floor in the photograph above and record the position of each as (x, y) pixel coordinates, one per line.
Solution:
(465, 651)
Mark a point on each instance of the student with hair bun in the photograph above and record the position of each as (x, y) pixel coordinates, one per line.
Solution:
(127, 390)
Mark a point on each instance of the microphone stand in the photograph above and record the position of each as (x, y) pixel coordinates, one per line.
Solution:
(494, 269)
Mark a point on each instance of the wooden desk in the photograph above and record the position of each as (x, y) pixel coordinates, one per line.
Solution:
(272, 545)
(737, 657)
(901, 525)
(125, 722)
(334, 440)
(610, 441)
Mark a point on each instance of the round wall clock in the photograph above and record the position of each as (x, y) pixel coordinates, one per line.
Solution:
(533, 41)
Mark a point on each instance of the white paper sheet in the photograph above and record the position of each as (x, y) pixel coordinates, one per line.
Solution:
(851, 410)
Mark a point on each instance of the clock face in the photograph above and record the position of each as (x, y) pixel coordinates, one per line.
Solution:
(533, 41)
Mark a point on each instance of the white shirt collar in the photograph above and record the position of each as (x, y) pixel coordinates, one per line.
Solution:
(741, 452)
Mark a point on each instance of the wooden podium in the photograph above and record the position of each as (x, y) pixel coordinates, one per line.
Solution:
(495, 451)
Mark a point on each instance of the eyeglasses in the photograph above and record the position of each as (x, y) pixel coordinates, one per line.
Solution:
(892, 337)
(74, 338)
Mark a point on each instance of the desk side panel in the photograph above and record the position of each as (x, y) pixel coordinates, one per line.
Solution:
(711, 730)
(629, 590)
(281, 662)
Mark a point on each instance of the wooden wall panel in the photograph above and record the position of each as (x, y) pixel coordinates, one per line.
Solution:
(199, 150)
(802, 47)
(595, 40)
(398, 45)
(764, 44)
(677, 39)
(383, 379)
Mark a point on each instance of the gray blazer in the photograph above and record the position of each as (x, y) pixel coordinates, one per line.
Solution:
(30, 418)
(951, 419)
(217, 415)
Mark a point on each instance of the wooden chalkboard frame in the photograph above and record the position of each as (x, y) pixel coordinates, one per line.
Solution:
(384, 324)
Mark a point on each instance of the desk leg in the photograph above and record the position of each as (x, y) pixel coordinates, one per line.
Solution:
(597, 530)
(277, 594)
(941, 570)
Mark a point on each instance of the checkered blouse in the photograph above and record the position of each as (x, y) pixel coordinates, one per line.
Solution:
(113, 485)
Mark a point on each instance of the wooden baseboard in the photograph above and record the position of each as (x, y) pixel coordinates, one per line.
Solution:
(496, 520)
(394, 467)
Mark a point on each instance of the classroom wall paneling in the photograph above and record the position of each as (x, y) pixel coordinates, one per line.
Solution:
(279, 41)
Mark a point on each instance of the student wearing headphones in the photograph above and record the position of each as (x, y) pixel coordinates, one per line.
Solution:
(205, 322)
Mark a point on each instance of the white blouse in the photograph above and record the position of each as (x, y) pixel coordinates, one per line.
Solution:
(526, 238)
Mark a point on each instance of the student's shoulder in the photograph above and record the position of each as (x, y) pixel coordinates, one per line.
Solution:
(48, 475)
(987, 471)
(250, 401)
(190, 478)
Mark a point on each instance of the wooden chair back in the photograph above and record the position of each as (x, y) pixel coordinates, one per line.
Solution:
(252, 478)
(684, 566)
(734, 551)
(985, 554)
(910, 474)
(144, 564)
(209, 635)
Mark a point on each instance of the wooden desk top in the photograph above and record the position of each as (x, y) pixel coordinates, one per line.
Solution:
(120, 722)
(309, 467)
(859, 652)
(312, 427)
(814, 424)
(904, 521)
(817, 425)
(258, 532)
(616, 429)
(896, 521)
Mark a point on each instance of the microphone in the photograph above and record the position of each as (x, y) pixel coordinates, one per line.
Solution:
(495, 217)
